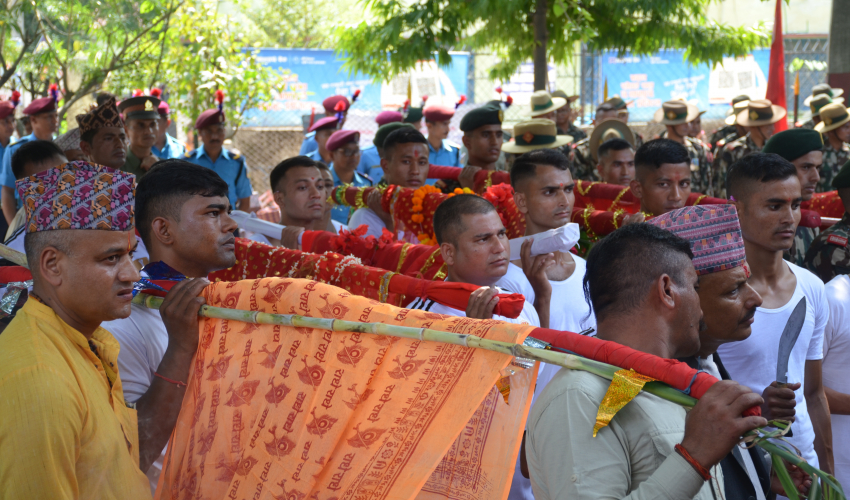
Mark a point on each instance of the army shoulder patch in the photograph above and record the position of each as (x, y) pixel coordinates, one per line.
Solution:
(837, 240)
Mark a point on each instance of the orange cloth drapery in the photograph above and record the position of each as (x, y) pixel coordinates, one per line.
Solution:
(283, 412)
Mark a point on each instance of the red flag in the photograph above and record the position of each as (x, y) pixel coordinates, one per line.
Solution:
(776, 79)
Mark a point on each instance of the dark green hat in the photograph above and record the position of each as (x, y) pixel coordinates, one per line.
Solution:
(794, 143)
(842, 179)
(385, 130)
(478, 117)
(413, 115)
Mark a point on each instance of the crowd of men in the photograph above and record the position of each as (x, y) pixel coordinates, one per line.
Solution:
(92, 384)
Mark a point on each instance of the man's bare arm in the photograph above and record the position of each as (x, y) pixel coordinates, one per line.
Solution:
(818, 407)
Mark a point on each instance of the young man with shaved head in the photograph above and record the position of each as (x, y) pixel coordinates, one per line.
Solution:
(767, 194)
(662, 176)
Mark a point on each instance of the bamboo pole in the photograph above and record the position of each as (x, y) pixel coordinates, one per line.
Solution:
(570, 361)
(13, 256)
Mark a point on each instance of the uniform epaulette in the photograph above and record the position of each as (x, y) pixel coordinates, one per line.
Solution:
(451, 144)
(235, 155)
(188, 154)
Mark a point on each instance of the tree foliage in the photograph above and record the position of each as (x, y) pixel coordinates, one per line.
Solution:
(202, 52)
(296, 23)
(411, 31)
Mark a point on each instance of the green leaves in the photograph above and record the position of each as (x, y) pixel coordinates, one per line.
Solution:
(412, 31)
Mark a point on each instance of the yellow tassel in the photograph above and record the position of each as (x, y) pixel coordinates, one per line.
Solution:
(625, 385)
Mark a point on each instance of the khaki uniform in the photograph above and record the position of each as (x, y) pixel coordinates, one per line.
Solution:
(700, 166)
(829, 254)
(731, 153)
(803, 239)
(833, 160)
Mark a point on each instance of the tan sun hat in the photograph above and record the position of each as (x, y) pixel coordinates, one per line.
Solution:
(537, 133)
(824, 89)
(832, 116)
(760, 112)
(737, 107)
(816, 104)
(607, 130)
(676, 113)
(542, 102)
(563, 95)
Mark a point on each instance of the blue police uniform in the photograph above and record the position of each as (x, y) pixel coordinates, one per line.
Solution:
(315, 156)
(341, 213)
(447, 155)
(230, 167)
(370, 164)
(309, 145)
(7, 177)
(172, 149)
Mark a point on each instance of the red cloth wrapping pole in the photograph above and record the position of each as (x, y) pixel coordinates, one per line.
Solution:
(455, 295)
(673, 373)
(14, 274)
(483, 178)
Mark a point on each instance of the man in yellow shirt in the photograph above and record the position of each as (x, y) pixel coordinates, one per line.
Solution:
(66, 431)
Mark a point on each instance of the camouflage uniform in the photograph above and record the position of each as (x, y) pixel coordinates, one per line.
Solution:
(577, 133)
(638, 139)
(803, 239)
(731, 153)
(832, 162)
(829, 254)
(810, 124)
(583, 166)
(721, 134)
(700, 165)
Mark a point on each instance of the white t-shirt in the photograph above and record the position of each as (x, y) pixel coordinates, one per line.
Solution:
(366, 216)
(143, 340)
(568, 311)
(752, 362)
(836, 368)
(528, 316)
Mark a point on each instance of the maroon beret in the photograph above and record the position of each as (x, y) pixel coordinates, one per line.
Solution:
(385, 117)
(342, 137)
(6, 109)
(438, 113)
(326, 122)
(163, 109)
(330, 103)
(43, 105)
(210, 117)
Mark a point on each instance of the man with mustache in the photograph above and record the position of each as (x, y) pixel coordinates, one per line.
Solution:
(183, 213)
(767, 195)
(662, 176)
(474, 245)
(141, 122)
(643, 289)
(102, 135)
(405, 164)
(803, 148)
(729, 305)
(67, 431)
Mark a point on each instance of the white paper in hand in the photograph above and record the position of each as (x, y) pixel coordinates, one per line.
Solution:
(560, 239)
(250, 222)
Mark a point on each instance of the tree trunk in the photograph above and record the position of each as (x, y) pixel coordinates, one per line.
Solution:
(839, 46)
(541, 63)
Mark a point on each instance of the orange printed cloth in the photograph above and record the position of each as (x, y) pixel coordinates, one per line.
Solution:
(276, 412)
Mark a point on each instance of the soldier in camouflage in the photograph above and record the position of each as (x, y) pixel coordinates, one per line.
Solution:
(829, 254)
(588, 166)
(731, 131)
(622, 108)
(677, 116)
(566, 116)
(835, 126)
(759, 118)
(802, 147)
(815, 105)
(584, 166)
(822, 94)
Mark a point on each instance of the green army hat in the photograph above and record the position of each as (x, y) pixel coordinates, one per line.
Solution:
(842, 179)
(794, 143)
(478, 117)
(413, 115)
(385, 130)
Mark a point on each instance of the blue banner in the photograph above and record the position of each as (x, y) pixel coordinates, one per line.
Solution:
(648, 81)
(313, 75)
